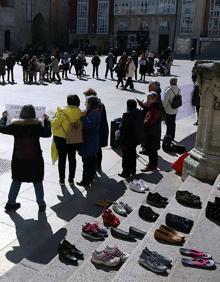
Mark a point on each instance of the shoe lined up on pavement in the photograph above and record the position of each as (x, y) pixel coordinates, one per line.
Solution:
(69, 253)
(146, 213)
(137, 233)
(109, 218)
(136, 187)
(179, 223)
(122, 208)
(94, 232)
(110, 257)
(128, 208)
(199, 259)
(188, 199)
(195, 253)
(142, 183)
(121, 234)
(155, 199)
(168, 236)
(213, 210)
(154, 261)
(119, 209)
(133, 233)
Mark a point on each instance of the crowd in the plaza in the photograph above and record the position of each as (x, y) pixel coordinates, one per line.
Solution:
(53, 66)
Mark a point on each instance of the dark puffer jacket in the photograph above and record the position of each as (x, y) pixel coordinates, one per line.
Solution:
(131, 129)
(152, 124)
(27, 160)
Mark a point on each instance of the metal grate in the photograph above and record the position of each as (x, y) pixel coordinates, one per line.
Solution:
(5, 166)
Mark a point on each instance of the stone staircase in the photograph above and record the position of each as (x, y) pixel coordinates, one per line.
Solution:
(44, 265)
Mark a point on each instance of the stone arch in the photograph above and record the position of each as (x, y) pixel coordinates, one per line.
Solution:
(40, 32)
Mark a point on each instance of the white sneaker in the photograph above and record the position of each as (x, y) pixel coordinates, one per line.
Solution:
(136, 187)
(142, 183)
(102, 257)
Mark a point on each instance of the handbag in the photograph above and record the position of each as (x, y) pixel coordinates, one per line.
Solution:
(74, 134)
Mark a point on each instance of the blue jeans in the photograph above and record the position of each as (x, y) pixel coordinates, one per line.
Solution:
(15, 187)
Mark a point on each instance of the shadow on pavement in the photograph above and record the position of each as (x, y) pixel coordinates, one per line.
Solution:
(73, 204)
(189, 141)
(36, 233)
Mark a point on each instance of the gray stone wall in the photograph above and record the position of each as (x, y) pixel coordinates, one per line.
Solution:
(135, 23)
(15, 20)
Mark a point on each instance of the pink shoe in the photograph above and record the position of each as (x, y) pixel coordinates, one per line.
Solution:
(199, 263)
(194, 253)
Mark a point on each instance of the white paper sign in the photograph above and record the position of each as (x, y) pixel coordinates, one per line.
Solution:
(14, 111)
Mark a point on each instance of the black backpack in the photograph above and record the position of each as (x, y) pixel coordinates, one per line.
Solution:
(177, 100)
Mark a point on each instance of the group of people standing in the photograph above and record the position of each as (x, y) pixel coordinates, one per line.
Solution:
(27, 159)
(138, 127)
(143, 126)
(47, 67)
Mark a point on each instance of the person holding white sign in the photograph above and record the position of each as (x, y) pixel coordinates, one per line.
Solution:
(27, 160)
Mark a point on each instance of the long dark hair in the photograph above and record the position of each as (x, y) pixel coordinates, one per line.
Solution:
(28, 112)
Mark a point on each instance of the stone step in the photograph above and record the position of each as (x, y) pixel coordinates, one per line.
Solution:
(205, 237)
(46, 255)
(89, 272)
(131, 270)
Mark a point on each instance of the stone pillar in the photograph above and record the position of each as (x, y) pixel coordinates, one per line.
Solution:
(204, 159)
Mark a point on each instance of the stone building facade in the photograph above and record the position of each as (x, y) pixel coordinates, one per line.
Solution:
(91, 23)
(198, 26)
(140, 23)
(41, 22)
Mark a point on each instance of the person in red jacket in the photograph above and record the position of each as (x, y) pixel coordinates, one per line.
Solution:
(152, 125)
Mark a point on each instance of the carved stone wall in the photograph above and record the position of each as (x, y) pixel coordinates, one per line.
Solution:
(204, 159)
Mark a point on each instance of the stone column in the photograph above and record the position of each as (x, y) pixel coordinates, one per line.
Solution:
(204, 159)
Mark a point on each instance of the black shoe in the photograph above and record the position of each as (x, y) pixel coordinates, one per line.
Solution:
(42, 208)
(124, 175)
(146, 213)
(155, 199)
(213, 212)
(139, 234)
(144, 152)
(67, 256)
(121, 234)
(179, 223)
(217, 202)
(83, 183)
(10, 207)
(188, 199)
(72, 248)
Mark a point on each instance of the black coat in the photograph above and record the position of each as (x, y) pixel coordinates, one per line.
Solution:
(104, 129)
(152, 125)
(196, 96)
(131, 129)
(27, 160)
